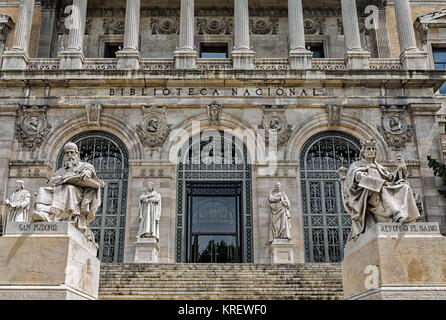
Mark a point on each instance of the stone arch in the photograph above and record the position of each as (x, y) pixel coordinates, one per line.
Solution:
(350, 125)
(180, 134)
(108, 123)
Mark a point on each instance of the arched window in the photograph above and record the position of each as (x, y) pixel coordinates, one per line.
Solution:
(109, 157)
(214, 214)
(326, 224)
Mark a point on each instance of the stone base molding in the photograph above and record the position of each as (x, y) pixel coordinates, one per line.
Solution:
(185, 59)
(300, 59)
(15, 60)
(71, 60)
(281, 251)
(128, 59)
(393, 261)
(243, 59)
(147, 250)
(415, 60)
(47, 261)
(357, 60)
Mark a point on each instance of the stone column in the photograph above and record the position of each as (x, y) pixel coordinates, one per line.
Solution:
(48, 30)
(128, 58)
(73, 57)
(355, 56)
(300, 57)
(186, 56)
(411, 57)
(243, 56)
(17, 57)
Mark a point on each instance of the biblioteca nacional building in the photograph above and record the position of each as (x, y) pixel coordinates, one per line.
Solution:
(190, 119)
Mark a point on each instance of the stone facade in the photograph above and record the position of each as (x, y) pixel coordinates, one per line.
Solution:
(302, 96)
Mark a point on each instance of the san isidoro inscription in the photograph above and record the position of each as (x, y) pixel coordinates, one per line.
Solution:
(218, 92)
(36, 228)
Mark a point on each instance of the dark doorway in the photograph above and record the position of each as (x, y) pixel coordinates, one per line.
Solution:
(214, 211)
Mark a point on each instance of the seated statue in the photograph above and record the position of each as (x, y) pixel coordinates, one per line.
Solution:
(371, 193)
(75, 195)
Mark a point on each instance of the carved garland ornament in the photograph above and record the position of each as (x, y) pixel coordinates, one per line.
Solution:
(395, 129)
(213, 25)
(32, 126)
(153, 130)
(276, 125)
(112, 26)
(264, 25)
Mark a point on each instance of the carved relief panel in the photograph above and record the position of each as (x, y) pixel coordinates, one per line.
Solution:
(32, 126)
(153, 130)
(395, 127)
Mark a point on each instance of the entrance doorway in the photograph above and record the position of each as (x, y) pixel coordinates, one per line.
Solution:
(214, 211)
(214, 208)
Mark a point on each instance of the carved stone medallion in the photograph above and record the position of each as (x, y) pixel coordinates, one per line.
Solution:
(214, 25)
(276, 125)
(93, 113)
(395, 128)
(264, 25)
(112, 26)
(164, 25)
(32, 126)
(334, 112)
(153, 130)
(214, 113)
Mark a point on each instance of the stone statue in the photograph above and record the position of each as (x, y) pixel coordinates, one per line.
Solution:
(280, 214)
(371, 193)
(149, 213)
(75, 195)
(18, 204)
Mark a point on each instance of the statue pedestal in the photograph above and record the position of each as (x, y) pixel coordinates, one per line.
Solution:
(281, 251)
(47, 261)
(396, 261)
(147, 250)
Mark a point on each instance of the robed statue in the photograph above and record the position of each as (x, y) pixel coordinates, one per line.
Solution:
(74, 194)
(18, 204)
(149, 213)
(279, 206)
(371, 193)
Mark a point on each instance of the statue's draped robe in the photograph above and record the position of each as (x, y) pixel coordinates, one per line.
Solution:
(19, 202)
(280, 215)
(150, 214)
(394, 201)
(69, 202)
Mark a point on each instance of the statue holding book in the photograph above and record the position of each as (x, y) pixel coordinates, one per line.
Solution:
(74, 194)
(371, 193)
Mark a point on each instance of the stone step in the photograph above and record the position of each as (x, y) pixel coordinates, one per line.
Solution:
(221, 281)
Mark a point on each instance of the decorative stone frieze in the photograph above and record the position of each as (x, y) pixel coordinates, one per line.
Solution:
(396, 128)
(113, 26)
(214, 113)
(264, 25)
(276, 125)
(314, 26)
(215, 25)
(165, 25)
(32, 126)
(93, 112)
(334, 112)
(153, 130)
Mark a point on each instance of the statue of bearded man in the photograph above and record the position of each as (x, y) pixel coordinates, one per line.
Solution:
(371, 193)
(75, 194)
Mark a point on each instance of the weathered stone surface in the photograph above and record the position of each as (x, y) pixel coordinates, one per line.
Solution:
(47, 261)
(406, 261)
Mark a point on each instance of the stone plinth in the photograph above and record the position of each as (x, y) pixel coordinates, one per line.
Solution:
(128, 60)
(15, 60)
(281, 251)
(243, 59)
(147, 250)
(300, 59)
(414, 60)
(71, 60)
(49, 261)
(355, 60)
(185, 59)
(394, 261)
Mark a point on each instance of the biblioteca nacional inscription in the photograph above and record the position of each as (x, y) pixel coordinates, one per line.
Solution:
(217, 92)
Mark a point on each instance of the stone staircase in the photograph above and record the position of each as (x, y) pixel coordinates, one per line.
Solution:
(220, 281)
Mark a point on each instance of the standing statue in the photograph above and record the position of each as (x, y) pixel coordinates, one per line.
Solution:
(18, 203)
(371, 193)
(280, 213)
(149, 213)
(75, 195)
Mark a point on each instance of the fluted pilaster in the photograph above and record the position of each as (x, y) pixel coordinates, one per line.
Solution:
(77, 25)
(351, 25)
(187, 26)
(296, 25)
(241, 25)
(406, 33)
(131, 34)
(23, 26)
